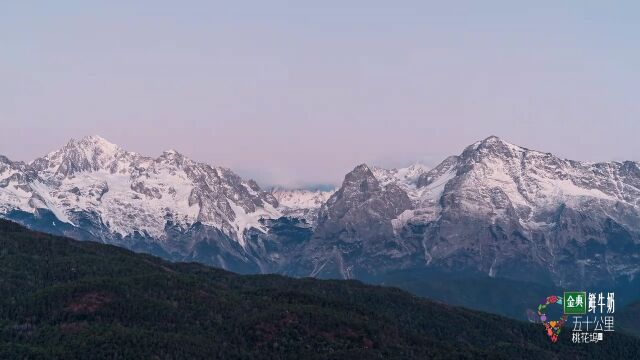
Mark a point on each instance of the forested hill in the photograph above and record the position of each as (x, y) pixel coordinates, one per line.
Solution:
(61, 298)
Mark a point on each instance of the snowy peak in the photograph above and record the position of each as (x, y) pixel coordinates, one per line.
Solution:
(174, 158)
(126, 193)
(360, 171)
(301, 203)
(406, 177)
(91, 153)
(362, 193)
(492, 142)
(94, 149)
(412, 173)
(492, 147)
(361, 180)
(301, 198)
(498, 179)
(96, 142)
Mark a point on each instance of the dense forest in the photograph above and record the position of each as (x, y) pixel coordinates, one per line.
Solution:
(630, 318)
(66, 299)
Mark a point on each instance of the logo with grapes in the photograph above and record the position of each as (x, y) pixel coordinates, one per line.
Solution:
(591, 314)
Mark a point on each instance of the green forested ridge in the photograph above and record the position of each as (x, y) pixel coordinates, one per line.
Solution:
(62, 298)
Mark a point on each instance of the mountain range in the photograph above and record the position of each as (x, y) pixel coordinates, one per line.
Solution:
(496, 209)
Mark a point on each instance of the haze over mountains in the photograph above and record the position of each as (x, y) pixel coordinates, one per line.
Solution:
(496, 209)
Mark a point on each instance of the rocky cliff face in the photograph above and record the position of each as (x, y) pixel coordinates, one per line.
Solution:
(354, 226)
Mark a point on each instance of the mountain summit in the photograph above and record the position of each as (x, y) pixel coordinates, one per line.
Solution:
(91, 153)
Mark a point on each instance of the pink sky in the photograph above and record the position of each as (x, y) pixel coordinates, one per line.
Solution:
(295, 95)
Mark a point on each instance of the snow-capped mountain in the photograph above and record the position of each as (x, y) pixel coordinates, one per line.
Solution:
(301, 203)
(406, 178)
(301, 198)
(304, 203)
(120, 197)
(497, 208)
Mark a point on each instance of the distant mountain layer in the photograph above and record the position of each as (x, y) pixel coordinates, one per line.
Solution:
(496, 209)
(301, 203)
(69, 299)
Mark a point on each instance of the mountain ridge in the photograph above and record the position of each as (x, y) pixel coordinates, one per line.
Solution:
(496, 208)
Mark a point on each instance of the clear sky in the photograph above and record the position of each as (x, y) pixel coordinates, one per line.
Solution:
(299, 94)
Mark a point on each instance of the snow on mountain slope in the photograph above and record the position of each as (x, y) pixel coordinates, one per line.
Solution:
(15, 192)
(530, 181)
(406, 178)
(301, 198)
(533, 180)
(301, 203)
(131, 193)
